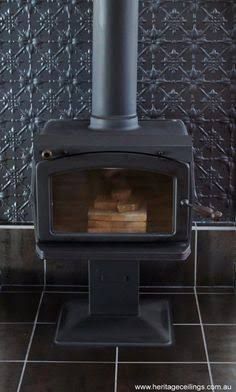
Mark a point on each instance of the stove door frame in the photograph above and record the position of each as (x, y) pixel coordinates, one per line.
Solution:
(180, 171)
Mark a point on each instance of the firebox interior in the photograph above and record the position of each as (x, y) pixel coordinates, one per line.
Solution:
(113, 200)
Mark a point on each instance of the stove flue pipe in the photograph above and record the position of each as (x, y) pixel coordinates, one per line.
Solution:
(115, 42)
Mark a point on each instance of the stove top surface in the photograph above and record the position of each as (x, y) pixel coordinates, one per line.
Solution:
(167, 137)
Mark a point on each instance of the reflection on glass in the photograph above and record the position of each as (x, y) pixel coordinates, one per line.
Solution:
(111, 200)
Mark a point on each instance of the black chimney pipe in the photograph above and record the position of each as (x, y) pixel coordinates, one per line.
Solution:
(115, 41)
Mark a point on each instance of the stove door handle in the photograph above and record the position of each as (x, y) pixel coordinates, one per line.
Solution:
(206, 212)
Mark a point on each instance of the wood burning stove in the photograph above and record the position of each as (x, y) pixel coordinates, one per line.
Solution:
(97, 185)
(114, 191)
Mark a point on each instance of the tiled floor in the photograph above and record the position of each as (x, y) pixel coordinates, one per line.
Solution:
(204, 350)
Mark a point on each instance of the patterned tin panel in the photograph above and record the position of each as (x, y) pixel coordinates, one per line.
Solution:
(186, 70)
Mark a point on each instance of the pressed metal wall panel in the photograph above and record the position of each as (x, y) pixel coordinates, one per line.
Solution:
(186, 70)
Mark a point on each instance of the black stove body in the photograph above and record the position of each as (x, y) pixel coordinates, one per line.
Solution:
(114, 191)
(114, 314)
(162, 147)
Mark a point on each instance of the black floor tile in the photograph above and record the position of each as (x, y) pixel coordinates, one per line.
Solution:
(183, 306)
(44, 377)
(187, 347)
(18, 307)
(44, 349)
(131, 375)
(224, 375)
(9, 376)
(52, 303)
(19, 263)
(221, 343)
(172, 273)
(14, 339)
(71, 273)
(216, 257)
(216, 308)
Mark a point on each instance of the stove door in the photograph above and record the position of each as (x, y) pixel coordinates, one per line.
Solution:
(112, 196)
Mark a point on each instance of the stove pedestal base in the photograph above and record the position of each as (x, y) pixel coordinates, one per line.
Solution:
(114, 315)
(151, 327)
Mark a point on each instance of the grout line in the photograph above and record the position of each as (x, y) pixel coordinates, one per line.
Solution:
(66, 362)
(16, 322)
(176, 363)
(12, 227)
(176, 324)
(186, 324)
(187, 292)
(141, 286)
(164, 362)
(71, 362)
(48, 285)
(23, 285)
(166, 293)
(45, 291)
(216, 228)
(68, 285)
(19, 292)
(208, 324)
(26, 322)
(195, 256)
(223, 363)
(120, 362)
(220, 325)
(166, 287)
(141, 293)
(44, 274)
(65, 292)
(204, 339)
(232, 227)
(116, 369)
(11, 360)
(30, 343)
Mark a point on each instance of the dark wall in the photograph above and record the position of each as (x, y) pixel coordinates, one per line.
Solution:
(186, 71)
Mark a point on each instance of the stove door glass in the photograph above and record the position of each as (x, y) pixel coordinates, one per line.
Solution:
(113, 200)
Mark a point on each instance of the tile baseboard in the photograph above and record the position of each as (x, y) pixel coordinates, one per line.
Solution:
(211, 263)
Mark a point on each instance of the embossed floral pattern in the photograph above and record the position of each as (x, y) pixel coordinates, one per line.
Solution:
(186, 70)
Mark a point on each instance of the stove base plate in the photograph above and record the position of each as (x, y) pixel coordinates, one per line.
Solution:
(151, 327)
